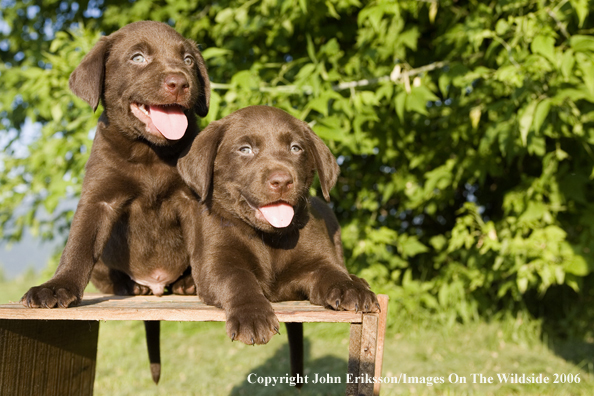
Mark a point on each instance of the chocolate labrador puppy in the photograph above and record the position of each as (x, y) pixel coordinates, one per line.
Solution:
(129, 222)
(261, 238)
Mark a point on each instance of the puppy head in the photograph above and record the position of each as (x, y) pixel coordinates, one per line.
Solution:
(258, 164)
(149, 78)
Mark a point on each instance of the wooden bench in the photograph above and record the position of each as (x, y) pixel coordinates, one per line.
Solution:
(53, 351)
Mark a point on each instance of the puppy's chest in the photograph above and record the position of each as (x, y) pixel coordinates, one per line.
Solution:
(157, 188)
(156, 206)
(274, 260)
(278, 272)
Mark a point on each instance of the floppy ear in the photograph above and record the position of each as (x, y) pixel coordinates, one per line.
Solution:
(86, 81)
(196, 163)
(325, 162)
(203, 102)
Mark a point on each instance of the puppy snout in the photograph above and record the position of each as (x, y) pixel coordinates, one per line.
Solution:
(176, 84)
(280, 181)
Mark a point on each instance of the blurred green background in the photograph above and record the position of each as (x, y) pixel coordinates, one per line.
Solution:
(464, 132)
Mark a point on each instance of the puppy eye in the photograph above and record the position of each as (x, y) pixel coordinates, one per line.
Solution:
(296, 149)
(245, 150)
(138, 58)
(188, 60)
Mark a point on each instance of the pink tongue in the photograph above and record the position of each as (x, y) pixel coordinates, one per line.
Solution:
(278, 215)
(170, 121)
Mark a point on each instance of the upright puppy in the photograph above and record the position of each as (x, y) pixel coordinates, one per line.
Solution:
(129, 220)
(261, 237)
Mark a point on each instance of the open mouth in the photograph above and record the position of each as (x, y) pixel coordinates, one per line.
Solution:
(170, 121)
(278, 214)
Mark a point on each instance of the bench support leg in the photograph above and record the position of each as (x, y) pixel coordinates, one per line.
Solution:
(54, 357)
(352, 388)
(366, 350)
(362, 353)
(381, 335)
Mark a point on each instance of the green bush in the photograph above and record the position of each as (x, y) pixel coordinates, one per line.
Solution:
(463, 129)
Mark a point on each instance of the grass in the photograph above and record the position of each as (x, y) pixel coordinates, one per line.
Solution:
(198, 358)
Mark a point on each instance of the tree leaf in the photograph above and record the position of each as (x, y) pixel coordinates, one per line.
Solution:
(475, 116)
(418, 98)
(540, 114)
(567, 63)
(399, 104)
(581, 43)
(545, 46)
(577, 265)
(582, 10)
(525, 123)
(213, 52)
(409, 246)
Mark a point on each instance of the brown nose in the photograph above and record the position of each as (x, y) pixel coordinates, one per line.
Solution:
(176, 84)
(280, 181)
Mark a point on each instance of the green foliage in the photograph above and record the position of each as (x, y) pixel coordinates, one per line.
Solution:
(464, 131)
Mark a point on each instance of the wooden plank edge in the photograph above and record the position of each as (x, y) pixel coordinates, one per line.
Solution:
(178, 315)
(107, 307)
(381, 336)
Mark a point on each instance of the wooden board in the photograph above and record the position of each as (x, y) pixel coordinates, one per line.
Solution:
(368, 353)
(168, 308)
(47, 358)
(381, 335)
(352, 388)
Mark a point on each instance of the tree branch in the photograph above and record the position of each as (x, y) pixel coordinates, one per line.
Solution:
(395, 76)
(558, 22)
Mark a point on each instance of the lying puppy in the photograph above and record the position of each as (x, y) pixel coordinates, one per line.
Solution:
(261, 238)
(129, 220)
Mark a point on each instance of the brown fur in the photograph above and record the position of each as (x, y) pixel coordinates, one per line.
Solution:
(129, 222)
(245, 263)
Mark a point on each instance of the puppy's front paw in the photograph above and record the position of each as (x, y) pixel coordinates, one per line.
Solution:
(51, 296)
(353, 295)
(252, 324)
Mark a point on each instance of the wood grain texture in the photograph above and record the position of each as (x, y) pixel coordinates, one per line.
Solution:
(168, 308)
(368, 353)
(352, 388)
(53, 358)
(381, 336)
